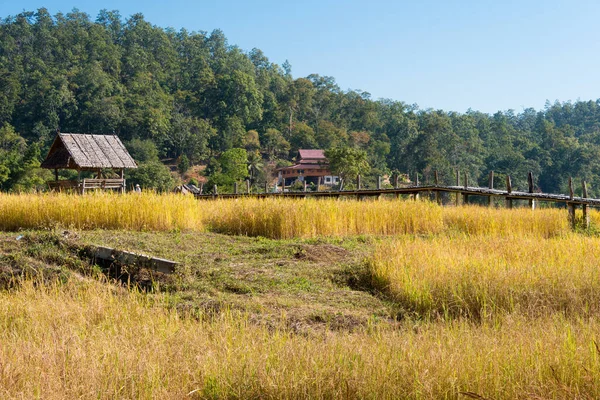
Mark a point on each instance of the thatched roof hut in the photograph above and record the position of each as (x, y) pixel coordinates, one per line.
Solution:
(83, 152)
(87, 152)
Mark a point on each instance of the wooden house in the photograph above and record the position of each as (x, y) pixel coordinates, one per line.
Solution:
(100, 154)
(311, 167)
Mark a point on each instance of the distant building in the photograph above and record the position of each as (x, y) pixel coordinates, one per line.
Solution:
(311, 167)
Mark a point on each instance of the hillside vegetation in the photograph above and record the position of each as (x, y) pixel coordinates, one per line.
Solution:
(192, 96)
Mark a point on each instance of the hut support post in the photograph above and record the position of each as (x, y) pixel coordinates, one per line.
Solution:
(122, 176)
(584, 207)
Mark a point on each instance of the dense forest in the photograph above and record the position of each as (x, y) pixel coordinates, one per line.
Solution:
(194, 98)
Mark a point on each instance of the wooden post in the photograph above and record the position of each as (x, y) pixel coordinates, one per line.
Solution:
(266, 187)
(584, 207)
(571, 192)
(490, 186)
(56, 174)
(465, 195)
(396, 179)
(201, 187)
(80, 183)
(305, 186)
(215, 191)
(530, 186)
(235, 188)
(282, 185)
(357, 182)
(378, 183)
(457, 184)
(416, 196)
(247, 186)
(571, 206)
(318, 183)
(438, 197)
(509, 202)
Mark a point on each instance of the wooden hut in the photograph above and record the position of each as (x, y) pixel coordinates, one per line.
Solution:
(96, 153)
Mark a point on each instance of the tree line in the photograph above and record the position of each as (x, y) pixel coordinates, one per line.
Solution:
(194, 98)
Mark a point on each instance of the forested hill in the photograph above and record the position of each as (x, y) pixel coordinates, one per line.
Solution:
(193, 94)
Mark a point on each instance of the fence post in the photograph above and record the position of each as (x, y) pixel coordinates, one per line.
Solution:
(509, 202)
(235, 188)
(247, 186)
(266, 187)
(305, 186)
(357, 182)
(215, 191)
(379, 183)
(530, 185)
(584, 207)
(396, 179)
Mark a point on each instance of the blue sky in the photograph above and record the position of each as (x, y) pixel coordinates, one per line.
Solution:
(451, 55)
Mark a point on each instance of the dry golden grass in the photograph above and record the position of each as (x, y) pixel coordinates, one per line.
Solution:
(478, 220)
(273, 218)
(306, 218)
(88, 340)
(100, 211)
(481, 276)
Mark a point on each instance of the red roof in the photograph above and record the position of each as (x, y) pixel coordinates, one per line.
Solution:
(312, 154)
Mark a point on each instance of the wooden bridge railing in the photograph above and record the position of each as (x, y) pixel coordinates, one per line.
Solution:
(463, 192)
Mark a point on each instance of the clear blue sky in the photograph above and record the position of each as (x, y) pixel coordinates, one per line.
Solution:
(487, 55)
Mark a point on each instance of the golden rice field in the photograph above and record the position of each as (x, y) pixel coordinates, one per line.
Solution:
(485, 303)
(87, 340)
(478, 278)
(273, 218)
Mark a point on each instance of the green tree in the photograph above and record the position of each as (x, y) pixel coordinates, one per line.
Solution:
(151, 175)
(347, 162)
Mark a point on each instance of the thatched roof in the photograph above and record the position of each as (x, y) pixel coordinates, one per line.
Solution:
(78, 151)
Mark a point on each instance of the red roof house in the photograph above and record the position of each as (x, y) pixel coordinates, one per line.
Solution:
(311, 167)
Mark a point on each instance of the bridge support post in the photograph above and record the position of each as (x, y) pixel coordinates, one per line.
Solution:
(572, 220)
(509, 202)
(457, 184)
(584, 207)
(530, 185)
